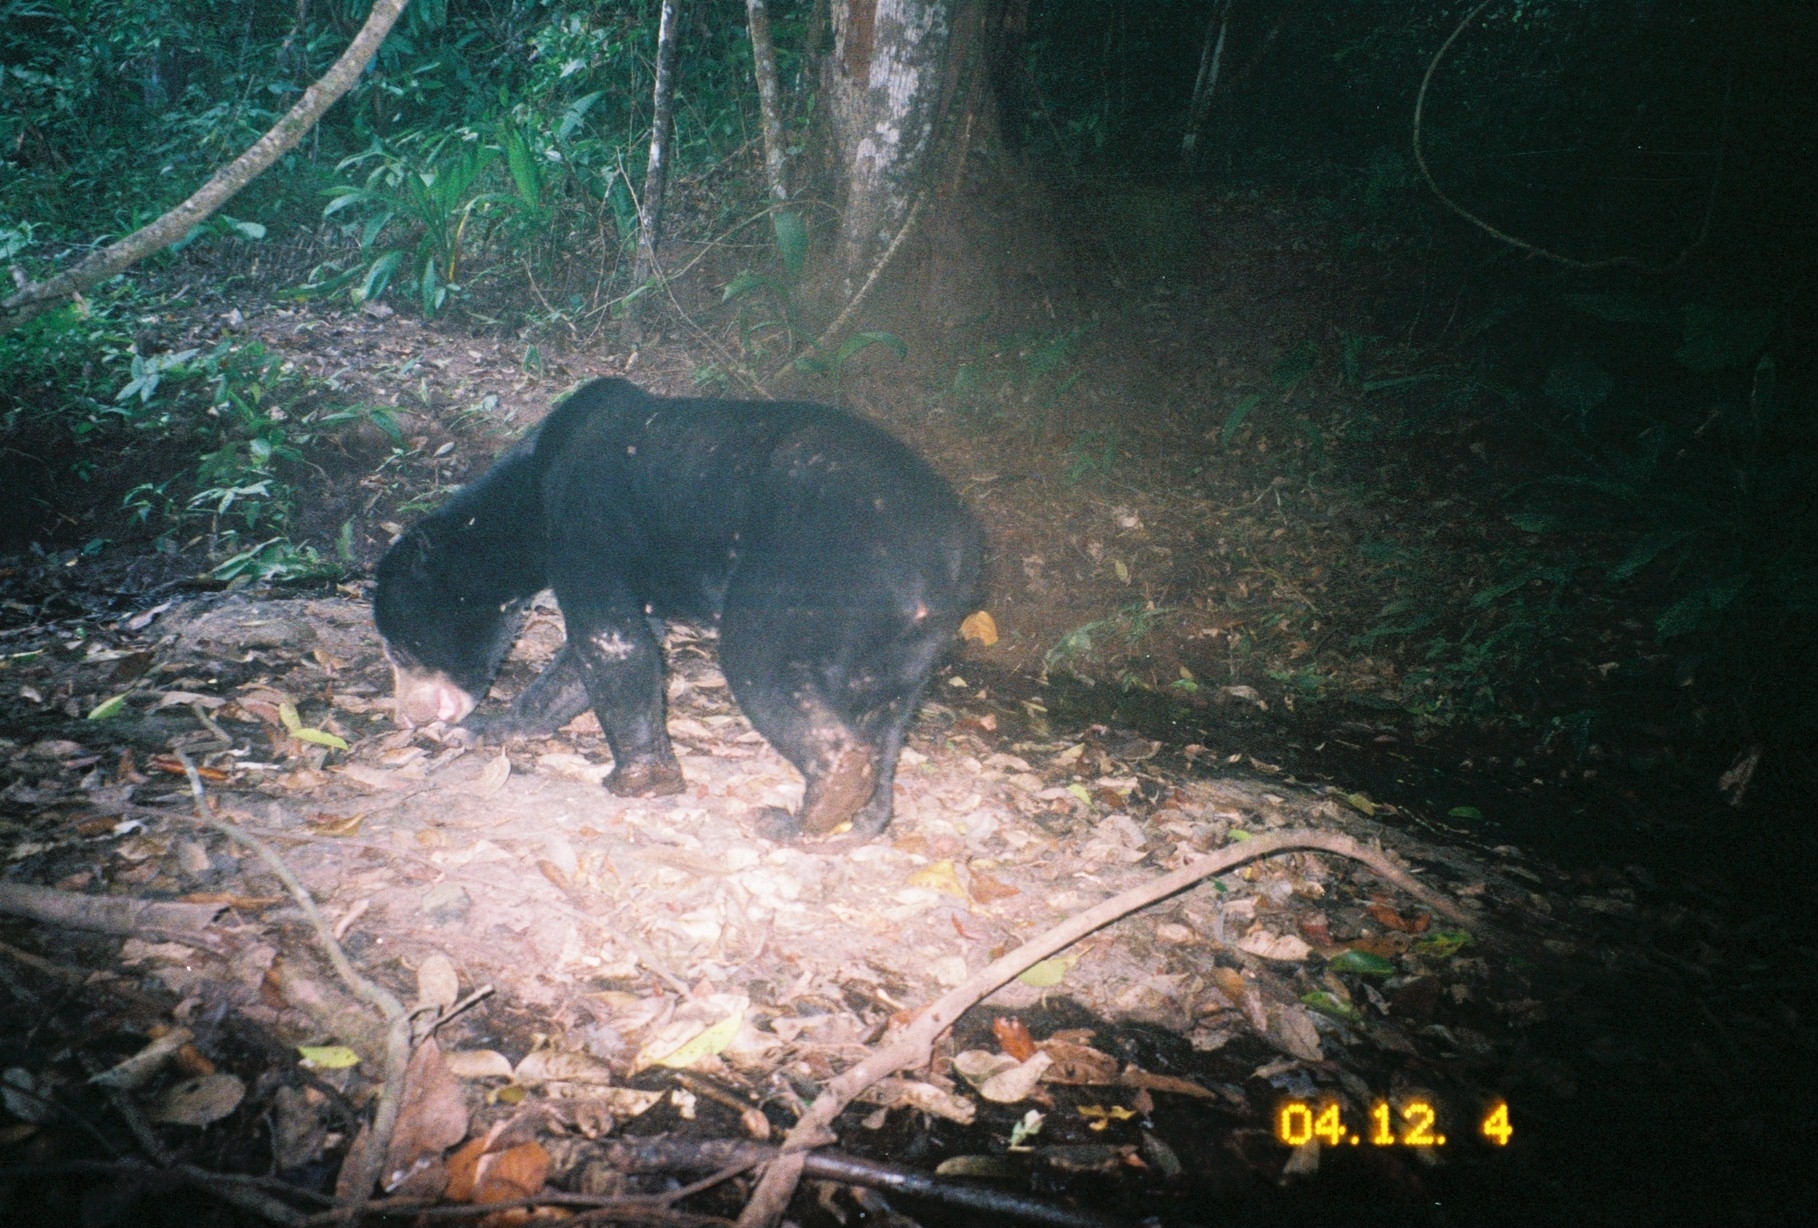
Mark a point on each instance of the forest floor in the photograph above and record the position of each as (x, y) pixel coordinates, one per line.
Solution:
(1186, 660)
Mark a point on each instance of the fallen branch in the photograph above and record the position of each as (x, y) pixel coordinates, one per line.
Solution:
(360, 1172)
(913, 1047)
(105, 914)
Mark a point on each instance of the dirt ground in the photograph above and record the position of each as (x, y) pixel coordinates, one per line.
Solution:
(654, 968)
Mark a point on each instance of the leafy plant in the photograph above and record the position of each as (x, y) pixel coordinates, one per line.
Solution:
(833, 366)
(1091, 452)
(426, 204)
(1082, 646)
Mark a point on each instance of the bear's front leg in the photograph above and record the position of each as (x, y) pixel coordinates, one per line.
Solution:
(621, 663)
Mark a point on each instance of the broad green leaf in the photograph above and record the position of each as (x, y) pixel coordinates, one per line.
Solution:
(1646, 552)
(1443, 943)
(791, 240)
(1328, 1003)
(108, 707)
(1049, 972)
(712, 1041)
(859, 342)
(1534, 522)
(1362, 963)
(1579, 386)
(1466, 812)
(1235, 419)
(1621, 308)
(329, 1057)
(1719, 338)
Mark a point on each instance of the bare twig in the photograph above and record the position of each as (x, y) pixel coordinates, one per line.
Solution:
(364, 1163)
(913, 1046)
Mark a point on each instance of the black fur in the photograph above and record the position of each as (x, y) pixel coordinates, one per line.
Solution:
(836, 563)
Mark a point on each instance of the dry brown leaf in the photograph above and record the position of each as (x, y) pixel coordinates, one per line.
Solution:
(986, 889)
(336, 824)
(1078, 1065)
(432, 1116)
(1018, 1083)
(1135, 1076)
(1284, 948)
(477, 1064)
(198, 1102)
(437, 982)
(507, 1176)
(1013, 1037)
(980, 628)
(493, 777)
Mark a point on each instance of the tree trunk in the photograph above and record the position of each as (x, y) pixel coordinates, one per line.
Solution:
(770, 100)
(883, 88)
(656, 174)
(39, 297)
(1211, 55)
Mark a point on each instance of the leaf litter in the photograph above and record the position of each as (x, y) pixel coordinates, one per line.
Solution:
(658, 967)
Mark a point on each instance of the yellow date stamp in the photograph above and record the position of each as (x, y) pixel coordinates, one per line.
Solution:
(1409, 1122)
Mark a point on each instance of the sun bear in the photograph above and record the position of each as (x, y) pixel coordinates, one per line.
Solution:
(835, 563)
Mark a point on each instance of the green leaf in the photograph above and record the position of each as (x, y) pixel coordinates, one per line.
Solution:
(1534, 522)
(329, 1057)
(378, 276)
(319, 737)
(1621, 308)
(1579, 386)
(1049, 972)
(859, 342)
(1692, 611)
(109, 707)
(1328, 1003)
(1362, 963)
(1443, 944)
(1466, 812)
(1720, 338)
(576, 112)
(1647, 550)
(1293, 367)
(791, 241)
(748, 281)
(1235, 419)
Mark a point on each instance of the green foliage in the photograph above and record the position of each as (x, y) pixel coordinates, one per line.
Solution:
(1091, 453)
(426, 205)
(1030, 366)
(1080, 649)
(218, 438)
(834, 365)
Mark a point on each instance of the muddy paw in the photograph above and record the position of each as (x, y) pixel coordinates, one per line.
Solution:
(646, 780)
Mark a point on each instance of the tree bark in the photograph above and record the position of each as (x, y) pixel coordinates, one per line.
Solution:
(770, 100)
(39, 297)
(656, 174)
(883, 89)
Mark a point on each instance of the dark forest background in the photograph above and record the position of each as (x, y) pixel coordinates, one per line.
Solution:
(1647, 400)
